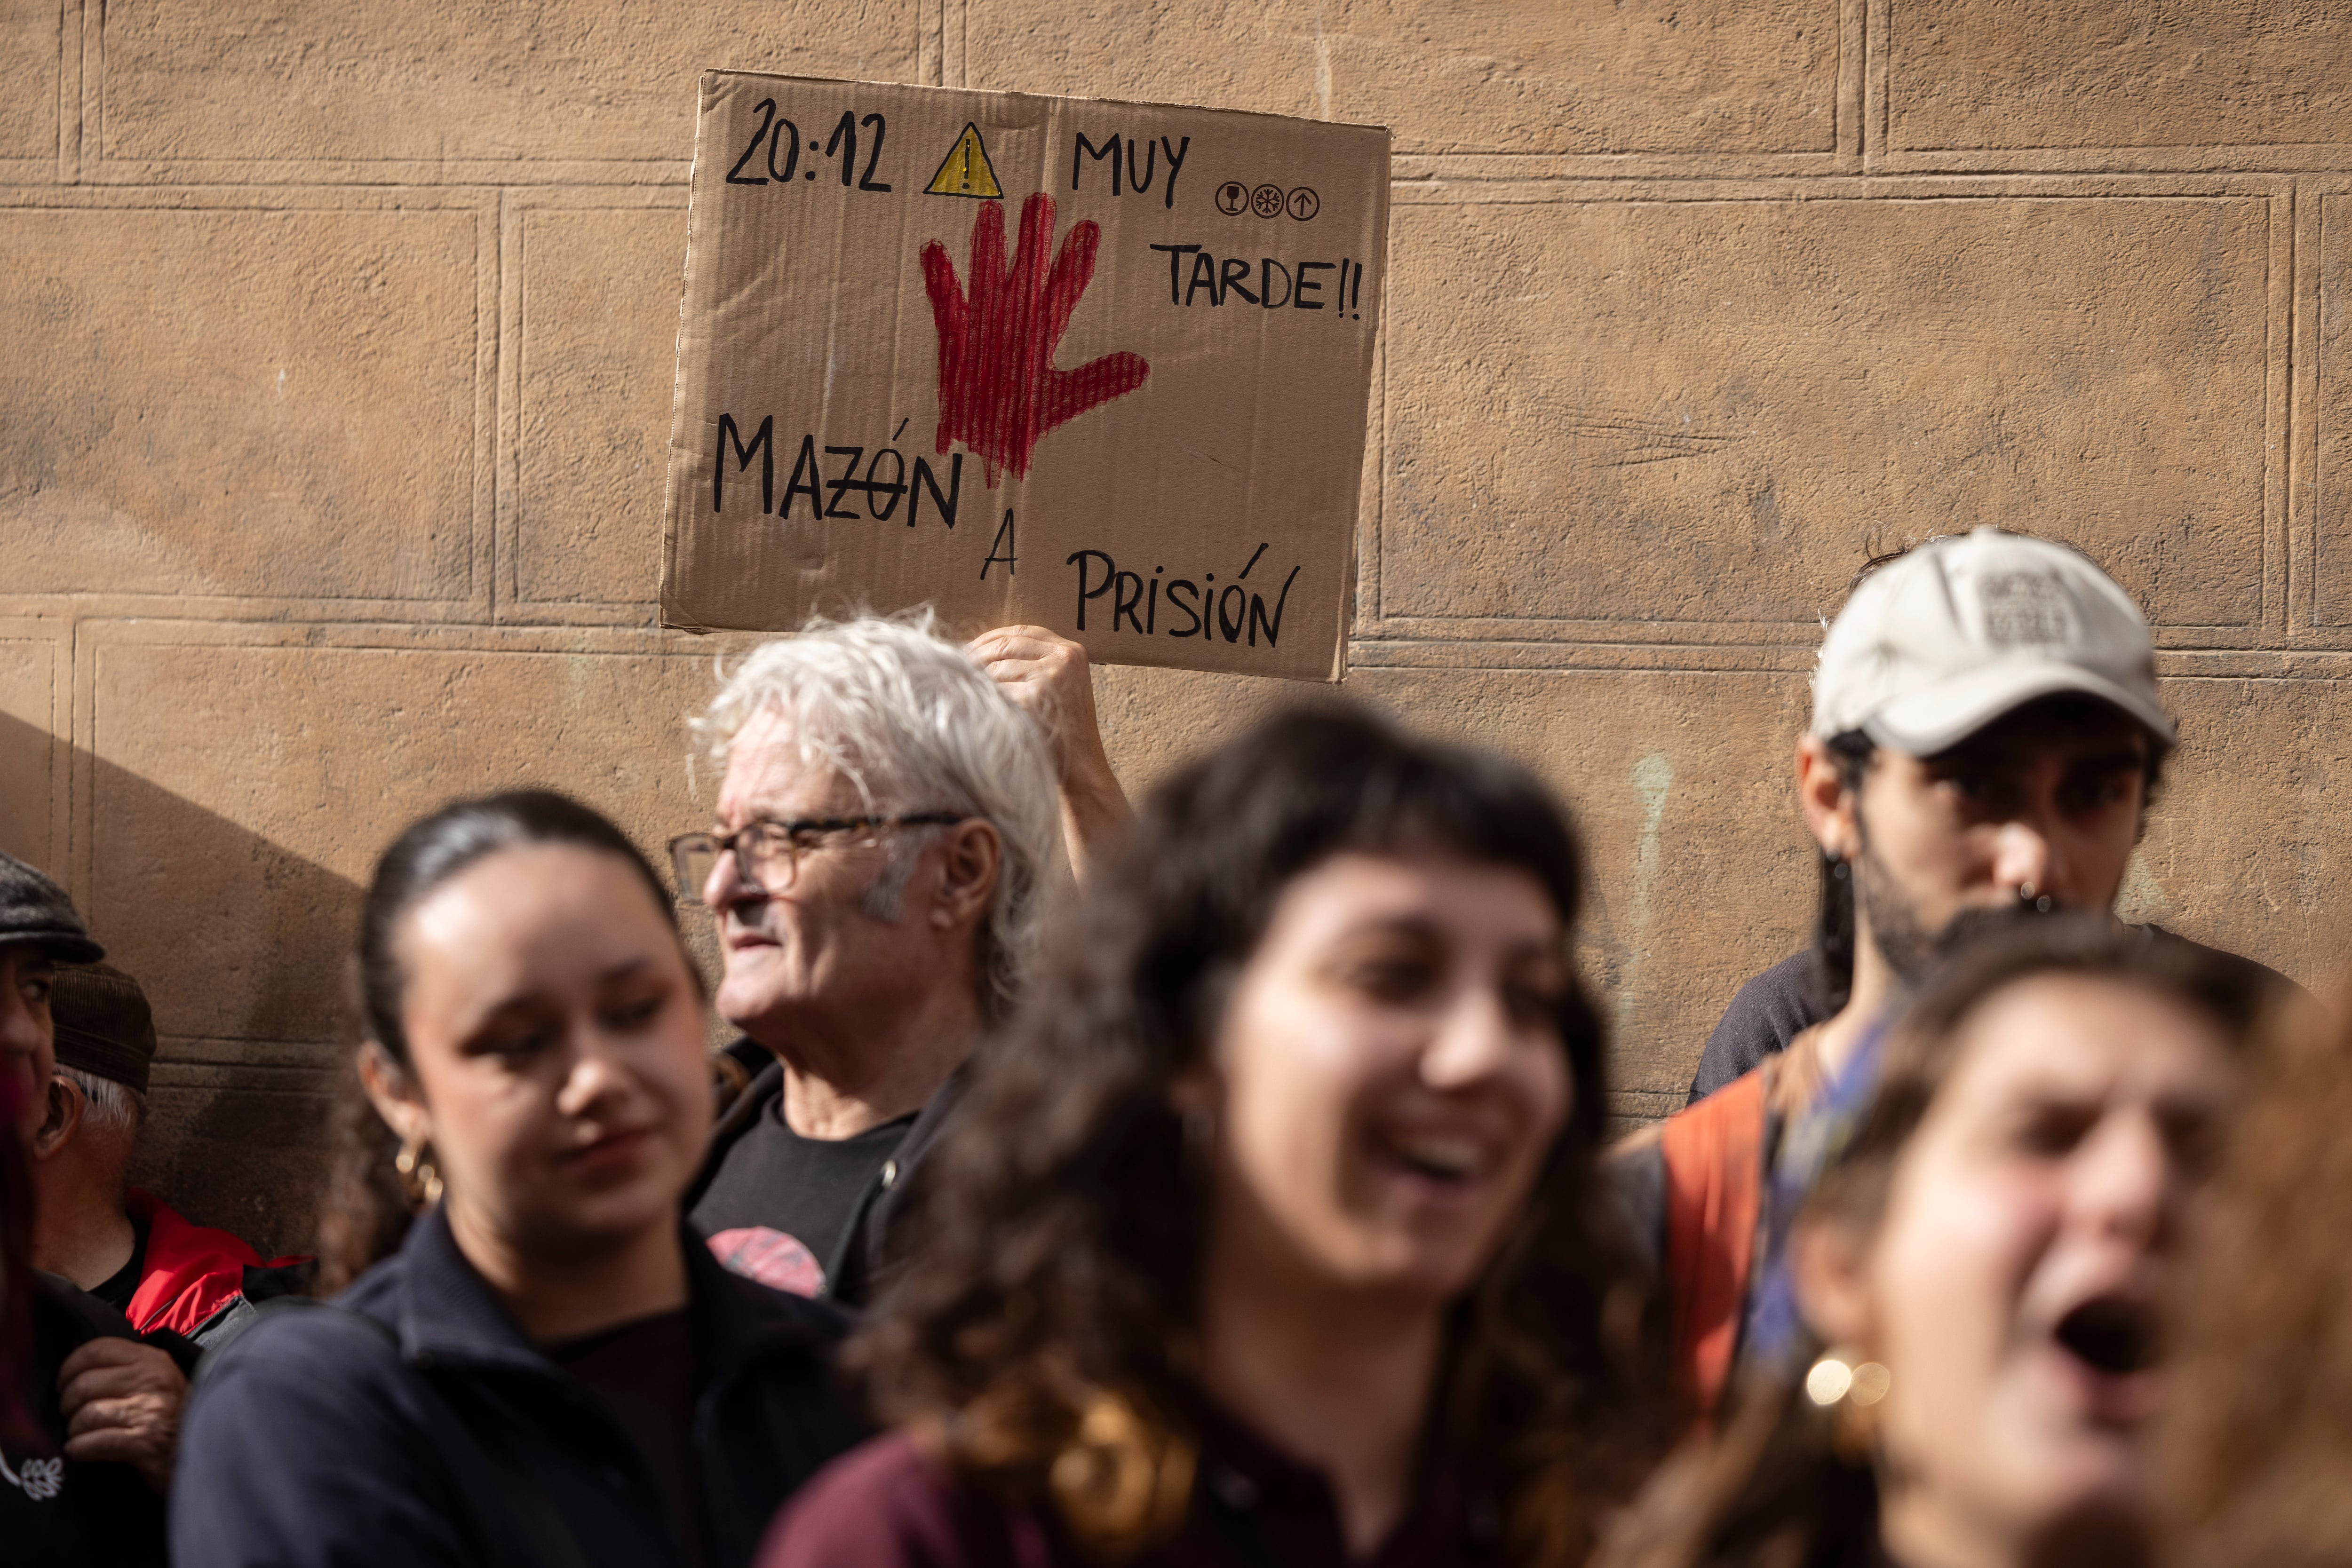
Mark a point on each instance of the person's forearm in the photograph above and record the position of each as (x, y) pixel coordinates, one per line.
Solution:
(1095, 812)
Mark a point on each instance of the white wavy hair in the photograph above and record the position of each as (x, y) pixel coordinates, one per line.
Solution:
(115, 1110)
(906, 715)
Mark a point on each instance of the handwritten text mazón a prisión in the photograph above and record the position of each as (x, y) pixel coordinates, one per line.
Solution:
(882, 479)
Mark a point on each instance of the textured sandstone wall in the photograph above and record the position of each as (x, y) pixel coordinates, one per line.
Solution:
(335, 362)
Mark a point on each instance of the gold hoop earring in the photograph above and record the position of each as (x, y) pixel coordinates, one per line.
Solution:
(1850, 1386)
(418, 1178)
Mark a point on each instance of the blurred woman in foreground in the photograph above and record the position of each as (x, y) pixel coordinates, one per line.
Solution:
(1272, 1234)
(551, 1368)
(1984, 1264)
(2258, 1435)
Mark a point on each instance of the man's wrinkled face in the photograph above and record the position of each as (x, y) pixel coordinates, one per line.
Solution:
(843, 929)
(28, 1040)
(2043, 804)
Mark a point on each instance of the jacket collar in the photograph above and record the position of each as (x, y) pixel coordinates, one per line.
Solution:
(765, 1084)
(446, 1310)
(935, 1116)
(189, 1272)
(768, 1083)
(854, 1269)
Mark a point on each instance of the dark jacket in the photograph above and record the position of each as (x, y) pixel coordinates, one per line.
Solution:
(57, 1512)
(316, 1438)
(862, 1254)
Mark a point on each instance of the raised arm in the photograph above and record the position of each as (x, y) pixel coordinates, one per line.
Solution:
(1046, 673)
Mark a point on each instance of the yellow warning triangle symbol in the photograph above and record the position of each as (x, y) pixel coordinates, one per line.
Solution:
(967, 172)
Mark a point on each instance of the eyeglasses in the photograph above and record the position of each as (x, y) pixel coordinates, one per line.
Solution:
(768, 854)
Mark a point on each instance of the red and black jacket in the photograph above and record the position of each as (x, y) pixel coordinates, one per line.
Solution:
(193, 1279)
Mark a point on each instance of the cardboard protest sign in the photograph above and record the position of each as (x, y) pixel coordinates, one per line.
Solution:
(1101, 366)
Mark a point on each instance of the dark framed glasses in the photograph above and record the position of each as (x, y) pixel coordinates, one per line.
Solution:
(768, 853)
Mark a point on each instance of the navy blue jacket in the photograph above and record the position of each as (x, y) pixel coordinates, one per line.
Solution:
(315, 1439)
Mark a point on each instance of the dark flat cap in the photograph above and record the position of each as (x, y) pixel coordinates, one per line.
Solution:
(35, 909)
(103, 1024)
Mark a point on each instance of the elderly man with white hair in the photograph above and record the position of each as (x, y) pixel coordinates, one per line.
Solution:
(883, 830)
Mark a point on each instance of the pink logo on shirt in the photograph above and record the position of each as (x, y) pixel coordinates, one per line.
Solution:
(777, 1260)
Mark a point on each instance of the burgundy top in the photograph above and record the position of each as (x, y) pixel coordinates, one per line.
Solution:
(888, 1505)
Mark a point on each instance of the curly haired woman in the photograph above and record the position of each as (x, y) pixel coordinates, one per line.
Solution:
(1273, 1235)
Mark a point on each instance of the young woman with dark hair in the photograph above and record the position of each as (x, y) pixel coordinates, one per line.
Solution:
(1272, 1234)
(552, 1367)
(1983, 1266)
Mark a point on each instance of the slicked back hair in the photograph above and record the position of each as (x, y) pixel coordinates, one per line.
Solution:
(366, 1212)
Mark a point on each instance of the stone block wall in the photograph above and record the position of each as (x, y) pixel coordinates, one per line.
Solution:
(336, 345)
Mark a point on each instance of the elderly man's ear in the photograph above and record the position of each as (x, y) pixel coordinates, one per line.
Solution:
(971, 858)
(61, 1117)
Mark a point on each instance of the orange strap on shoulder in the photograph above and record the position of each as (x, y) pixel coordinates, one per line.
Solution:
(1714, 1179)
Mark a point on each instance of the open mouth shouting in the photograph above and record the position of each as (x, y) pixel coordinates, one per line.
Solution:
(2111, 1335)
(2114, 1346)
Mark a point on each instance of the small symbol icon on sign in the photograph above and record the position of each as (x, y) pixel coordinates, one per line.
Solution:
(965, 172)
(1305, 204)
(1232, 197)
(1266, 201)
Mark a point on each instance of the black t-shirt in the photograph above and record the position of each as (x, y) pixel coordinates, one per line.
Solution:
(1770, 1010)
(779, 1204)
(117, 1289)
(649, 1373)
(1796, 993)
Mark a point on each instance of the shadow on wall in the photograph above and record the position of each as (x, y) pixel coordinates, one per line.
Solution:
(239, 946)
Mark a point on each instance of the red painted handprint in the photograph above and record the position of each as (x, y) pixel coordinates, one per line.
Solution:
(998, 392)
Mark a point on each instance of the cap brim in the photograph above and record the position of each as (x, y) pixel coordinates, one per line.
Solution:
(1927, 722)
(65, 947)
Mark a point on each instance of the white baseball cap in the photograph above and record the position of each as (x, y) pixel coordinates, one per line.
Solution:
(1939, 643)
